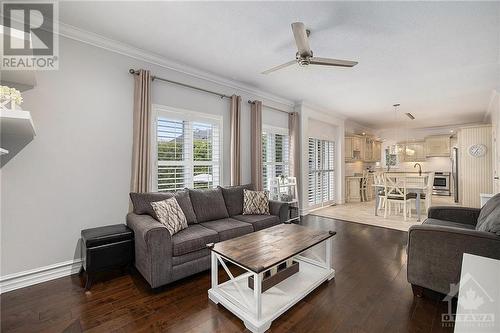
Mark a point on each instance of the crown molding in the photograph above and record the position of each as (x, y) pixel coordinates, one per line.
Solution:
(100, 41)
(322, 110)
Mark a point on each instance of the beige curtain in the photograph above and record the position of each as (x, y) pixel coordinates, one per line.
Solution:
(256, 144)
(141, 149)
(293, 130)
(235, 121)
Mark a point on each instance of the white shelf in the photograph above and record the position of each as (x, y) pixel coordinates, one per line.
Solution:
(17, 130)
(3, 151)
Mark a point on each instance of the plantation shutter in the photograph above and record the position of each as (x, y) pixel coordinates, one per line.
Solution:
(275, 156)
(321, 175)
(187, 155)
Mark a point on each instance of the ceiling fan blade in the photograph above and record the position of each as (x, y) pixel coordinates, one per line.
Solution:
(286, 64)
(301, 39)
(332, 62)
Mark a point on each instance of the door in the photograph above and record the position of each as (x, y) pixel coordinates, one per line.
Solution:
(321, 176)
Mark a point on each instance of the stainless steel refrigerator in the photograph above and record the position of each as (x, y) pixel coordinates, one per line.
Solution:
(454, 171)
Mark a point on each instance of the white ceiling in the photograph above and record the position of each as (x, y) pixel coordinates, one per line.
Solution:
(440, 60)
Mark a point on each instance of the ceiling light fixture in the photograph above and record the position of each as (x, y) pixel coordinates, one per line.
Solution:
(409, 115)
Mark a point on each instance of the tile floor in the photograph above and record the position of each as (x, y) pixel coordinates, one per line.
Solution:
(364, 212)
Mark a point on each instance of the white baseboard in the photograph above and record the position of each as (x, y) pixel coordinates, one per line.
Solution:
(38, 275)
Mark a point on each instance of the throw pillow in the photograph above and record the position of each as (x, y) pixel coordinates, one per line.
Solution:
(208, 204)
(255, 202)
(170, 214)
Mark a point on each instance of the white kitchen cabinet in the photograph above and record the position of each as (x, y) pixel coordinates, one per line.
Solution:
(354, 148)
(373, 150)
(377, 151)
(357, 144)
(368, 151)
(413, 151)
(437, 145)
(348, 149)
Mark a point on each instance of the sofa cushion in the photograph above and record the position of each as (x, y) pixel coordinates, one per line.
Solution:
(489, 218)
(229, 228)
(259, 222)
(193, 238)
(208, 204)
(448, 224)
(142, 203)
(233, 197)
(191, 256)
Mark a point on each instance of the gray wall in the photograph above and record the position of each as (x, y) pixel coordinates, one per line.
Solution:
(76, 173)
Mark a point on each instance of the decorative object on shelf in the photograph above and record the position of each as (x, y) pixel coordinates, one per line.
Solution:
(477, 150)
(9, 96)
(284, 189)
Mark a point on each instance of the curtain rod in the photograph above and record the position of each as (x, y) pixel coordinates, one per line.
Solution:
(153, 77)
(271, 107)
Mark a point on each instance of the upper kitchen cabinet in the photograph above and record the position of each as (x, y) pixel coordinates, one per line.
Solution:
(377, 151)
(437, 145)
(354, 148)
(413, 152)
(373, 150)
(362, 148)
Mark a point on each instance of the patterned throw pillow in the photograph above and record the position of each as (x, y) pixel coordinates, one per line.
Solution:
(255, 202)
(170, 214)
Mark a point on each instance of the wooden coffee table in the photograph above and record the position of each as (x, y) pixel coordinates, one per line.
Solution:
(263, 251)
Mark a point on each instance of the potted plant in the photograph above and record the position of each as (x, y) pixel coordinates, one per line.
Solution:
(10, 96)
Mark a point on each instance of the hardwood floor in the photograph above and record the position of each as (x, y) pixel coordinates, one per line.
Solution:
(369, 294)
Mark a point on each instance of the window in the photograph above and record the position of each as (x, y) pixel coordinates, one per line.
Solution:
(186, 150)
(275, 154)
(321, 176)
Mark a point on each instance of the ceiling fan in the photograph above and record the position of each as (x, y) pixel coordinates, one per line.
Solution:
(304, 55)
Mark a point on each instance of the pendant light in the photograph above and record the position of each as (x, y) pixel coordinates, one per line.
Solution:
(394, 148)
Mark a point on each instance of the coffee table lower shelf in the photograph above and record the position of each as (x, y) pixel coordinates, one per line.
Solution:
(237, 297)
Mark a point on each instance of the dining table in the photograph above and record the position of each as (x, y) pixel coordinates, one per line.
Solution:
(418, 186)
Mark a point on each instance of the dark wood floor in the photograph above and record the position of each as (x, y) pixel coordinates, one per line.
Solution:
(369, 294)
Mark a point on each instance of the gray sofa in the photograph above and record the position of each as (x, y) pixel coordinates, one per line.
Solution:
(436, 248)
(213, 215)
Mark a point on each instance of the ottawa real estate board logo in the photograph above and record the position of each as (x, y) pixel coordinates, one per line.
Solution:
(30, 35)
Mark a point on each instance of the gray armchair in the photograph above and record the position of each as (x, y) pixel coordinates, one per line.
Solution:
(436, 248)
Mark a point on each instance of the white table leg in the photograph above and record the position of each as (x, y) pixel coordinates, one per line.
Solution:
(257, 292)
(328, 258)
(215, 268)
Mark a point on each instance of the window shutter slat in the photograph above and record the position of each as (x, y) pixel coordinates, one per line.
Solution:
(188, 154)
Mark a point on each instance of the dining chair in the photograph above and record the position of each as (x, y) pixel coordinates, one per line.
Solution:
(379, 182)
(364, 186)
(397, 195)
